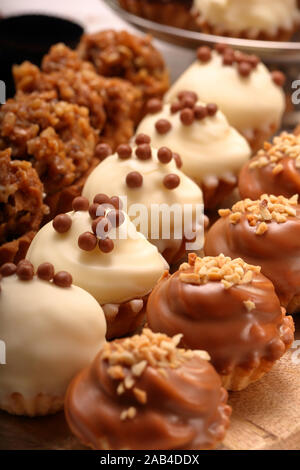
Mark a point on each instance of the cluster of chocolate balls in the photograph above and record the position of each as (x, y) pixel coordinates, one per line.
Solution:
(143, 151)
(103, 221)
(25, 272)
(246, 63)
(103, 151)
(189, 110)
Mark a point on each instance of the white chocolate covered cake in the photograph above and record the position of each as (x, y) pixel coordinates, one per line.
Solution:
(51, 330)
(245, 91)
(151, 181)
(212, 151)
(118, 268)
(253, 19)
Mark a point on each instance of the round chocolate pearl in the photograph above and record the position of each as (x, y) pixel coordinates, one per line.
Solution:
(253, 60)
(80, 203)
(154, 105)
(101, 210)
(200, 112)
(163, 126)
(45, 271)
(25, 271)
(116, 202)
(178, 160)
(87, 241)
(102, 151)
(8, 269)
(171, 181)
(63, 279)
(220, 48)
(124, 151)
(244, 69)
(228, 59)
(240, 57)
(96, 222)
(204, 53)
(143, 151)
(229, 51)
(212, 108)
(187, 116)
(278, 78)
(142, 139)
(101, 227)
(188, 102)
(93, 210)
(62, 223)
(101, 199)
(164, 155)
(175, 107)
(106, 245)
(187, 93)
(134, 179)
(116, 218)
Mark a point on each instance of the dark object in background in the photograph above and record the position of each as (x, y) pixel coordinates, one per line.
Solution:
(29, 37)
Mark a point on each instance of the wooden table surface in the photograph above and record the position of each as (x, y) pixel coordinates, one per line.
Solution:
(265, 416)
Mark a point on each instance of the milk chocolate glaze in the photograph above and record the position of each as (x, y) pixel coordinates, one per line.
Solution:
(185, 409)
(216, 319)
(277, 251)
(257, 181)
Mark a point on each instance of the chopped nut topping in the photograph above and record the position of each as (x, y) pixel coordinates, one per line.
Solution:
(235, 217)
(128, 382)
(262, 228)
(263, 210)
(277, 169)
(130, 413)
(116, 372)
(218, 269)
(140, 395)
(224, 212)
(138, 369)
(249, 305)
(190, 278)
(127, 360)
(202, 354)
(284, 145)
(120, 389)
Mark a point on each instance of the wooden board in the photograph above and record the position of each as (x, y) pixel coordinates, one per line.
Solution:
(265, 416)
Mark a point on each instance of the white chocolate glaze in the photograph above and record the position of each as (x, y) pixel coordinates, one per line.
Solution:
(249, 103)
(128, 272)
(253, 16)
(110, 177)
(50, 334)
(208, 147)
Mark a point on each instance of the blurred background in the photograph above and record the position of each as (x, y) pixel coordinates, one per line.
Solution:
(91, 15)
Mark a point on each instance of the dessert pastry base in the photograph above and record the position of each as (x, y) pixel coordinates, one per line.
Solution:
(281, 35)
(215, 195)
(172, 14)
(241, 378)
(40, 405)
(265, 416)
(257, 137)
(126, 319)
